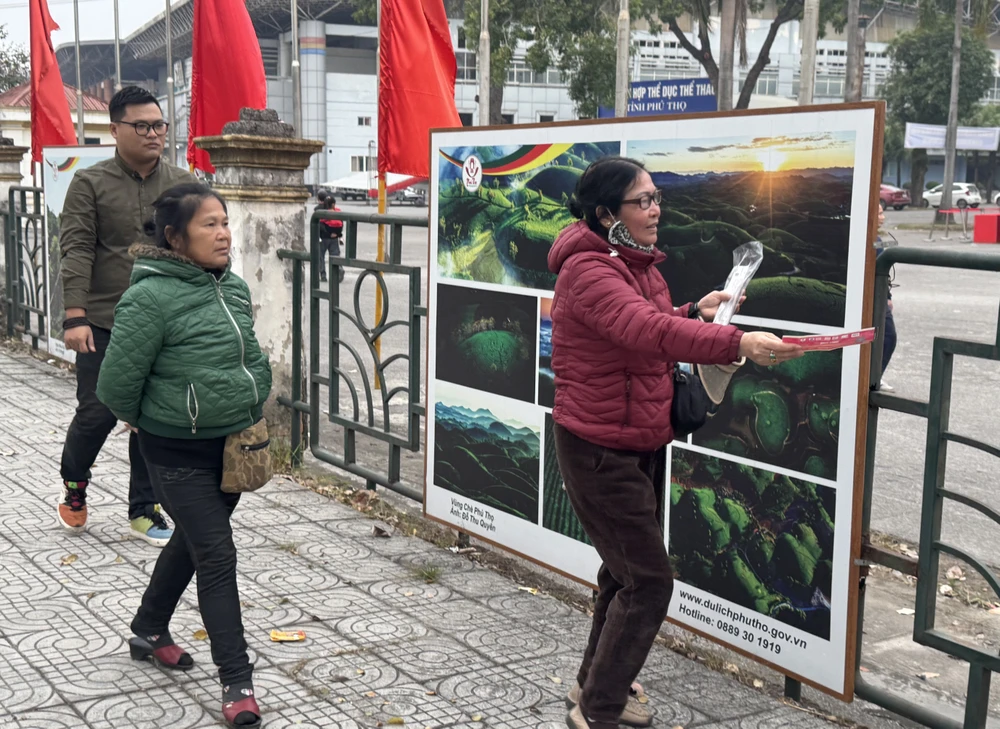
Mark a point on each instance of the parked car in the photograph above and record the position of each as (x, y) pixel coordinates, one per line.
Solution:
(963, 195)
(894, 197)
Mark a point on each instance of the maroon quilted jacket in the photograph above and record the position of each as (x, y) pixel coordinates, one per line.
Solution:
(615, 339)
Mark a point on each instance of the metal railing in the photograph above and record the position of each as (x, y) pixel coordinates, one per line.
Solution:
(24, 264)
(935, 496)
(374, 391)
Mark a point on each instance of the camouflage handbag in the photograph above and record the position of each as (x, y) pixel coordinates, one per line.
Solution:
(246, 460)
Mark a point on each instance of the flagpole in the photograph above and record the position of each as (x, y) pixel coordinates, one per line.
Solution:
(380, 252)
(80, 134)
(172, 133)
(118, 53)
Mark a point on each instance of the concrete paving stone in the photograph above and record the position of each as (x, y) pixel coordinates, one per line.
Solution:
(371, 569)
(492, 692)
(313, 716)
(554, 674)
(344, 678)
(305, 501)
(360, 530)
(445, 561)
(451, 616)
(507, 641)
(29, 616)
(56, 717)
(780, 718)
(719, 700)
(548, 715)
(334, 605)
(169, 706)
(271, 688)
(324, 548)
(108, 676)
(432, 658)
(412, 703)
(22, 688)
(251, 514)
(478, 584)
(20, 581)
(53, 652)
(283, 573)
(403, 594)
(378, 628)
(96, 569)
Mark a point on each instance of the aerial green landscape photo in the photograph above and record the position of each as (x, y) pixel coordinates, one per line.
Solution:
(785, 415)
(483, 451)
(791, 192)
(753, 537)
(502, 232)
(486, 340)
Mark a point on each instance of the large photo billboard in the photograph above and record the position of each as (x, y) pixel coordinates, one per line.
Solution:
(762, 504)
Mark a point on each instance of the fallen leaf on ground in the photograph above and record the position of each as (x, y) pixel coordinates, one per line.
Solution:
(532, 590)
(927, 675)
(407, 594)
(865, 670)
(118, 559)
(995, 611)
(200, 634)
(69, 559)
(380, 532)
(361, 672)
(477, 717)
(946, 590)
(906, 611)
(555, 679)
(642, 699)
(396, 721)
(732, 668)
(955, 573)
(757, 683)
(431, 693)
(370, 694)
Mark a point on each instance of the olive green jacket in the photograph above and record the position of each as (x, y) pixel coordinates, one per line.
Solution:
(105, 209)
(183, 361)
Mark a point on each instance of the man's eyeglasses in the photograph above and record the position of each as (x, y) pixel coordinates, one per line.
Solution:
(644, 201)
(160, 127)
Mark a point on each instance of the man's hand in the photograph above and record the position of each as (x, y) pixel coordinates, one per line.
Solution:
(79, 339)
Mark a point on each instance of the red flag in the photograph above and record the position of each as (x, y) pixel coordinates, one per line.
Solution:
(416, 83)
(227, 71)
(51, 123)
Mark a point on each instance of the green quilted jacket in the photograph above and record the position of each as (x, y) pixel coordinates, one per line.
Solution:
(183, 361)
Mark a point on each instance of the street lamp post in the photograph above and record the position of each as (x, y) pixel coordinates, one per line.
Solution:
(296, 71)
(484, 63)
(621, 65)
(118, 53)
(171, 133)
(80, 134)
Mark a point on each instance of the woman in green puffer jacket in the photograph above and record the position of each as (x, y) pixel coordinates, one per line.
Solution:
(185, 369)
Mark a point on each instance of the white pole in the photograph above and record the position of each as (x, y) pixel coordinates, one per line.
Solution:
(80, 134)
(296, 71)
(621, 65)
(727, 52)
(172, 133)
(118, 53)
(810, 31)
(484, 63)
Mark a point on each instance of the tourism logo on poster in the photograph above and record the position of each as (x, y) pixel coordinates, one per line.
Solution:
(472, 174)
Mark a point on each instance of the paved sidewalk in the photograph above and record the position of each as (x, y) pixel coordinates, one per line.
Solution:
(469, 651)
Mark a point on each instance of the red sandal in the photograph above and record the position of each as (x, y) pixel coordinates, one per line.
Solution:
(170, 656)
(232, 709)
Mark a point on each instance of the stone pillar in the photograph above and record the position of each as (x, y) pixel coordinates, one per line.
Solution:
(259, 167)
(11, 158)
(312, 60)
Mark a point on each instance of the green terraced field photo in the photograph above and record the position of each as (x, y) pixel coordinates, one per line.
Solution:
(753, 537)
(557, 512)
(787, 415)
(502, 232)
(489, 458)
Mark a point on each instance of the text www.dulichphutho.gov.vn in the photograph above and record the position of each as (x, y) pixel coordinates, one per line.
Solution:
(737, 624)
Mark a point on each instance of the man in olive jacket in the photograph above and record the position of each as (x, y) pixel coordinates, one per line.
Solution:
(105, 209)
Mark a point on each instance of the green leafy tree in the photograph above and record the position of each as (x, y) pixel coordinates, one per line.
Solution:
(670, 12)
(918, 86)
(14, 62)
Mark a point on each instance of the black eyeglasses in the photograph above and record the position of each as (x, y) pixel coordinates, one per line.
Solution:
(142, 128)
(644, 201)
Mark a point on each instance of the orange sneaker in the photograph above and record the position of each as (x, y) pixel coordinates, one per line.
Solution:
(72, 509)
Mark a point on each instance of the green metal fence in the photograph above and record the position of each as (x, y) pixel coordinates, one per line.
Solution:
(373, 392)
(24, 264)
(936, 496)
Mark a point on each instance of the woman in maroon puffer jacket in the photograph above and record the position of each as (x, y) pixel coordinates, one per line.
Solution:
(616, 336)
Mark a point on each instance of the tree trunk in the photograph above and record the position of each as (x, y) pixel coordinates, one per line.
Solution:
(496, 105)
(703, 54)
(899, 171)
(727, 46)
(763, 57)
(975, 168)
(918, 170)
(951, 132)
(852, 68)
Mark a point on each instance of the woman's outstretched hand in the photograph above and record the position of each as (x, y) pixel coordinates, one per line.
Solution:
(708, 307)
(765, 349)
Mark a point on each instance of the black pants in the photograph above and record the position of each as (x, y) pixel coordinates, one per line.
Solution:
(331, 246)
(91, 426)
(202, 543)
(890, 339)
(618, 496)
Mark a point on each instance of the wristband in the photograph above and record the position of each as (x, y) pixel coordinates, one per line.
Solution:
(74, 322)
(693, 311)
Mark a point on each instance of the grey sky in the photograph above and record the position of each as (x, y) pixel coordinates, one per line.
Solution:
(97, 18)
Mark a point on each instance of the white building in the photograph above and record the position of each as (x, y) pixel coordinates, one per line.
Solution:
(339, 84)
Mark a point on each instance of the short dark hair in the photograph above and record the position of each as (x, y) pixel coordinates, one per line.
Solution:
(603, 185)
(175, 209)
(331, 201)
(129, 96)
(322, 195)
